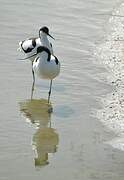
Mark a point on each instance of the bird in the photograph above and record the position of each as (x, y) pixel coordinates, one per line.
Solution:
(30, 45)
(45, 66)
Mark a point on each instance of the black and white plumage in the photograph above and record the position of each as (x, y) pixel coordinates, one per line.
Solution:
(29, 46)
(45, 65)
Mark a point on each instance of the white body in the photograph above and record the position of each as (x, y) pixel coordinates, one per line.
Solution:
(42, 41)
(46, 69)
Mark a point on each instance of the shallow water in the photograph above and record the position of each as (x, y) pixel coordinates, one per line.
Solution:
(71, 142)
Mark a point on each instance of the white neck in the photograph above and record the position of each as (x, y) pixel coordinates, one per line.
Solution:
(45, 42)
(43, 38)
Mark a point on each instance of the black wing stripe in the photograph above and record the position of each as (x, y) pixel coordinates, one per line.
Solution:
(29, 49)
(56, 60)
(51, 45)
(34, 42)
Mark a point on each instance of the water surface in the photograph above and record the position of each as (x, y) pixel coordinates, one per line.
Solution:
(69, 143)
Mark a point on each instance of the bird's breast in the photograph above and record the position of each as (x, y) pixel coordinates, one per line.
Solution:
(46, 69)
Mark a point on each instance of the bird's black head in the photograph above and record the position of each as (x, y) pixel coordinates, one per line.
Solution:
(45, 30)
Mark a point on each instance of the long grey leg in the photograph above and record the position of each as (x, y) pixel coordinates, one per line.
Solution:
(32, 90)
(49, 91)
(33, 82)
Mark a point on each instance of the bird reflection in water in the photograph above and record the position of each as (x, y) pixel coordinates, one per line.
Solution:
(45, 139)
